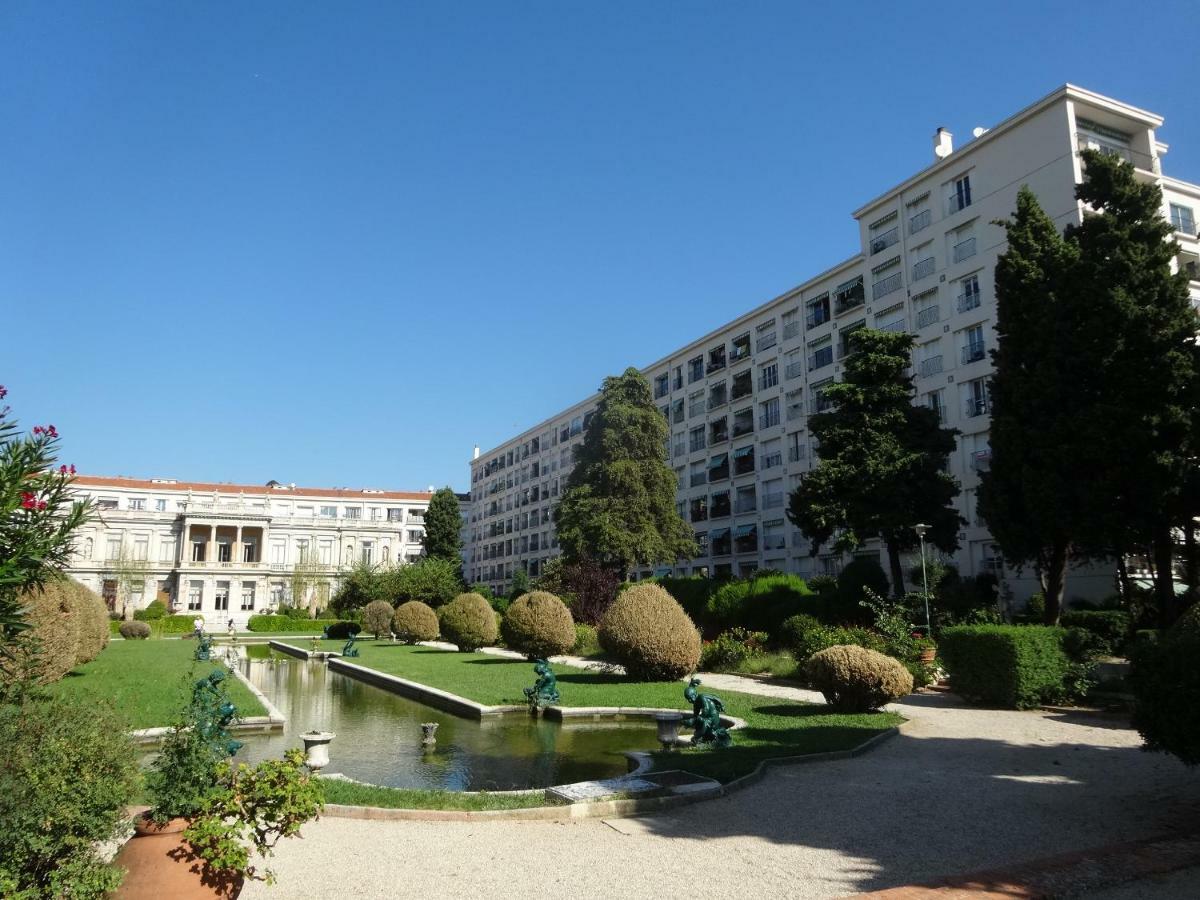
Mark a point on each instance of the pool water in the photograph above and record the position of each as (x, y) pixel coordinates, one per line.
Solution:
(379, 736)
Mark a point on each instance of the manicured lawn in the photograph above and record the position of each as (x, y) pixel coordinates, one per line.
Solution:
(148, 681)
(351, 794)
(774, 728)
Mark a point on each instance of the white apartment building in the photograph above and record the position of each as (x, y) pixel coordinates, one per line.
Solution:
(228, 551)
(738, 399)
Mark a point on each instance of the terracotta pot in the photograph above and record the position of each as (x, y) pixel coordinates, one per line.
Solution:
(159, 863)
(928, 654)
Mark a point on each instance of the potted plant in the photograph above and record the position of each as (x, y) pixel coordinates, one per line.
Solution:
(208, 815)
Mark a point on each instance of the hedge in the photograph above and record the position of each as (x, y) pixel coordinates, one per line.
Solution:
(1012, 666)
(181, 624)
(1166, 687)
(267, 623)
(1110, 628)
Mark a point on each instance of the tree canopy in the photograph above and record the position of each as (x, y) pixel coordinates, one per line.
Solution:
(443, 526)
(883, 460)
(618, 507)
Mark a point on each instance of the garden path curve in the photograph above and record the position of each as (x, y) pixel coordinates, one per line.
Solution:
(959, 790)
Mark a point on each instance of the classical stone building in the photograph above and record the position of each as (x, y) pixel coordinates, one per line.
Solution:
(227, 551)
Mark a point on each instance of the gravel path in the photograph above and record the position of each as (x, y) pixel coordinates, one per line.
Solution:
(961, 789)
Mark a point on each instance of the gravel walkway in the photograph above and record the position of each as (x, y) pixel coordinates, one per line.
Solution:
(961, 789)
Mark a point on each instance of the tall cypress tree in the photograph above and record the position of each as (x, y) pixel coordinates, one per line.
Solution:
(883, 460)
(1131, 305)
(1031, 497)
(618, 507)
(443, 527)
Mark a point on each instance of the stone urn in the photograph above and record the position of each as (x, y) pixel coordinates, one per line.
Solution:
(159, 863)
(316, 749)
(668, 728)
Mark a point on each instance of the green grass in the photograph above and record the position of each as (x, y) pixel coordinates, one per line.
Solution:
(148, 681)
(351, 794)
(774, 728)
(780, 665)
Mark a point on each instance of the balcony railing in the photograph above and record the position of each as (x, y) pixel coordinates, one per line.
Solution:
(746, 505)
(696, 445)
(773, 501)
(696, 407)
(793, 370)
(818, 316)
(744, 427)
(768, 419)
(920, 221)
(928, 315)
(888, 285)
(713, 366)
(964, 249)
(795, 454)
(765, 342)
(981, 460)
(740, 352)
(923, 269)
(699, 478)
(790, 330)
(773, 542)
(885, 239)
(894, 326)
(716, 401)
(795, 411)
(930, 366)
(976, 406)
(973, 353)
(967, 300)
(956, 202)
(771, 460)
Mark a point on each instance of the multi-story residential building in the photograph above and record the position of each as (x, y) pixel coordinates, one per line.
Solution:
(228, 551)
(738, 399)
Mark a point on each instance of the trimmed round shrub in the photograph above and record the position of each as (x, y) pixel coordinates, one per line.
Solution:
(93, 620)
(377, 617)
(539, 625)
(648, 632)
(47, 650)
(154, 611)
(469, 622)
(342, 629)
(415, 621)
(134, 631)
(855, 679)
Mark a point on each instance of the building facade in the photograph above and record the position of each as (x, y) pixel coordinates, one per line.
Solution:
(227, 551)
(738, 399)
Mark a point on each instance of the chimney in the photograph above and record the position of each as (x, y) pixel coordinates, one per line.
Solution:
(943, 143)
(476, 456)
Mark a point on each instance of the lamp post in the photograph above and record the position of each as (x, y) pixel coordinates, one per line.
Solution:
(920, 530)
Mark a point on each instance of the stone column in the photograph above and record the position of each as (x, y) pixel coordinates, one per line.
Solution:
(240, 556)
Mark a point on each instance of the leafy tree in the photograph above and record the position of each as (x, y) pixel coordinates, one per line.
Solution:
(520, 584)
(443, 526)
(1031, 497)
(362, 585)
(130, 572)
(37, 516)
(883, 460)
(1142, 400)
(433, 580)
(618, 507)
(308, 582)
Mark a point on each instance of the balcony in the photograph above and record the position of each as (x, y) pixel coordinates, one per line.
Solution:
(981, 460)
(956, 202)
(696, 445)
(773, 542)
(795, 411)
(888, 285)
(765, 342)
(973, 353)
(923, 269)
(714, 365)
(930, 366)
(976, 406)
(883, 240)
(740, 351)
(964, 250)
(848, 298)
(768, 419)
(716, 401)
(894, 326)
(746, 505)
(920, 221)
(791, 330)
(699, 478)
(817, 316)
(967, 300)
(743, 426)
(696, 408)
(928, 316)
(793, 370)
(773, 501)
(795, 454)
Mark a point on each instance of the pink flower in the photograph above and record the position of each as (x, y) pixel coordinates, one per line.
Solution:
(71, 469)
(3, 392)
(28, 501)
(37, 429)
(51, 431)
(62, 470)
(41, 504)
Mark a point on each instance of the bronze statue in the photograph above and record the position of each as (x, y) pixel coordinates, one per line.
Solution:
(203, 648)
(349, 649)
(545, 689)
(705, 717)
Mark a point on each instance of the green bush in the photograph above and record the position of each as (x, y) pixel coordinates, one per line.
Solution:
(415, 621)
(859, 575)
(469, 622)
(539, 625)
(93, 621)
(648, 632)
(760, 603)
(294, 612)
(67, 773)
(1165, 679)
(692, 593)
(728, 650)
(804, 635)
(1110, 628)
(138, 631)
(181, 624)
(1188, 622)
(377, 617)
(1013, 666)
(154, 611)
(587, 643)
(341, 629)
(854, 679)
(48, 649)
(269, 624)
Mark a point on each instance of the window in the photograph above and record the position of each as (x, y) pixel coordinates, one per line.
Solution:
(820, 402)
(850, 294)
(926, 305)
(746, 500)
(395, 514)
(676, 414)
(353, 512)
(791, 324)
(166, 550)
(247, 595)
(766, 336)
(745, 539)
(743, 460)
(195, 595)
(768, 413)
(884, 233)
(676, 384)
(680, 444)
(741, 348)
(277, 594)
(662, 384)
(1183, 219)
(198, 550)
(702, 543)
(773, 535)
(224, 551)
(718, 467)
(795, 405)
(719, 507)
(576, 425)
(719, 542)
(846, 338)
(922, 261)
(977, 399)
(137, 503)
(160, 505)
(699, 509)
(818, 311)
(773, 493)
(935, 401)
(696, 439)
(717, 395)
(106, 504)
(796, 449)
(718, 431)
(772, 454)
(368, 552)
(962, 243)
(716, 359)
(414, 537)
(743, 422)
(743, 385)
(973, 349)
(969, 297)
(919, 221)
(768, 376)
(958, 194)
(221, 597)
(886, 279)
(328, 512)
(698, 474)
(820, 356)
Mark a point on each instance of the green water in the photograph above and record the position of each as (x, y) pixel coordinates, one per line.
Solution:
(379, 735)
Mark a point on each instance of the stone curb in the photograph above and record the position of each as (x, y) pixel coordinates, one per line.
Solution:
(274, 716)
(1068, 874)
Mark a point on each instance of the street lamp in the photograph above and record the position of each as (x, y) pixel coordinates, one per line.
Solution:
(920, 530)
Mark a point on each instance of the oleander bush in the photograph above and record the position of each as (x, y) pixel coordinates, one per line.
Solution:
(93, 623)
(153, 611)
(415, 621)
(855, 679)
(1110, 628)
(1013, 666)
(67, 773)
(539, 625)
(270, 624)
(134, 631)
(648, 632)
(587, 642)
(1165, 679)
(377, 617)
(469, 622)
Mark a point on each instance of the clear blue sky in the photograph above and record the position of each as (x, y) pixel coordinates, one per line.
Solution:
(339, 244)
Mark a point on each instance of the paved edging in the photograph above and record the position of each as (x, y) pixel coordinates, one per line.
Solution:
(273, 716)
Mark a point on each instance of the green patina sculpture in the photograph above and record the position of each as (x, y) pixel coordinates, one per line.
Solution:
(203, 648)
(545, 689)
(705, 717)
(213, 713)
(349, 649)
